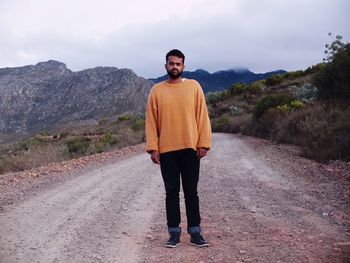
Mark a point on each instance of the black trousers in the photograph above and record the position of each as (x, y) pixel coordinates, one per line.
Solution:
(174, 164)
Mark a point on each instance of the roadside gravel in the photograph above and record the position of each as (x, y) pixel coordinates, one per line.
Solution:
(260, 202)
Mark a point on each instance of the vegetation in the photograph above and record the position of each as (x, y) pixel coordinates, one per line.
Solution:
(308, 107)
(72, 143)
(333, 80)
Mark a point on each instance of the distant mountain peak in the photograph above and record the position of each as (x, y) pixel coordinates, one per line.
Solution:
(51, 64)
(201, 70)
(235, 70)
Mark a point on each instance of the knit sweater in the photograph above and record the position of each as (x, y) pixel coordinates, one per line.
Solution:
(177, 117)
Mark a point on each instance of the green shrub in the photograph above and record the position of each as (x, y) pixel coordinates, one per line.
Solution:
(138, 125)
(296, 104)
(256, 87)
(108, 139)
(215, 97)
(294, 74)
(315, 68)
(78, 145)
(283, 108)
(322, 132)
(327, 134)
(19, 146)
(271, 101)
(274, 80)
(224, 124)
(124, 118)
(333, 80)
(239, 88)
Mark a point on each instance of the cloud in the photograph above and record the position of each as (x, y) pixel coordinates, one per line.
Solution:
(214, 35)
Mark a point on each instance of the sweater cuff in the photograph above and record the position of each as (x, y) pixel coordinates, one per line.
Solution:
(204, 145)
(152, 148)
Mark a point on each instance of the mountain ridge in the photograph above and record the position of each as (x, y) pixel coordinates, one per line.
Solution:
(222, 79)
(37, 97)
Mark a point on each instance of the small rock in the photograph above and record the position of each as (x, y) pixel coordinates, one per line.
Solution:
(96, 256)
(325, 214)
(242, 251)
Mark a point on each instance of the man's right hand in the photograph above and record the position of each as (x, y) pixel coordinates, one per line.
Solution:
(155, 157)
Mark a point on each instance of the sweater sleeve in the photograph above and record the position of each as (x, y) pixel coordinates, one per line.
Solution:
(152, 137)
(203, 121)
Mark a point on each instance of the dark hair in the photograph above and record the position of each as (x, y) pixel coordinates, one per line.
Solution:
(176, 53)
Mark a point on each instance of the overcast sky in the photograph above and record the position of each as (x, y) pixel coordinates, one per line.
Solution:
(261, 35)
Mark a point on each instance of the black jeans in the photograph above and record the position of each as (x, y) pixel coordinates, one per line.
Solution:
(173, 164)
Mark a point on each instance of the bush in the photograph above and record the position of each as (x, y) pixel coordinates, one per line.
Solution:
(296, 104)
(333, 81)
(234, 110)
(306, 93)
(315, 68)
(274, 80)
(294, 74)
(124, 118)
(36, 156)
(256, 87)
(138, 125)
(271, 101)
(224, 124)
(239, 88)
(108, 139)
(78, 145)
(215, 97)
(322, 132)
(327, 134)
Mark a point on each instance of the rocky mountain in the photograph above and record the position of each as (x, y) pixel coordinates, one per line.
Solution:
(223, 79)
(37, 97)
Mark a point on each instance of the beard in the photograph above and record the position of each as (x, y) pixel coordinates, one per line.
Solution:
(174, 74)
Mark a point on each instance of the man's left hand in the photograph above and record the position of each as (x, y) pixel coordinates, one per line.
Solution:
(201, 152)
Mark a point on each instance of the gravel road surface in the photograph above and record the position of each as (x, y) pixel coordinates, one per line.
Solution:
(260, 202)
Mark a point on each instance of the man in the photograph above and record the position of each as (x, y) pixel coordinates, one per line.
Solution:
(178, 135)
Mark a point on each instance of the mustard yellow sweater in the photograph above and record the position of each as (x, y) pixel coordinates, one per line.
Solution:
(177, 117)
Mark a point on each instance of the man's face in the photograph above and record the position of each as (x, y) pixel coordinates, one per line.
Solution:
(174, 66)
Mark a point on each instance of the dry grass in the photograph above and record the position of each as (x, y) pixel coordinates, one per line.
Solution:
(59, 145)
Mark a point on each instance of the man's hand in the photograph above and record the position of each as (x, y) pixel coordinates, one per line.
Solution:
(155, 157)
(201, 152)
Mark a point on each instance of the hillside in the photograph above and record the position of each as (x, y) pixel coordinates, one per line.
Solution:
(37, 97)
(286, 108)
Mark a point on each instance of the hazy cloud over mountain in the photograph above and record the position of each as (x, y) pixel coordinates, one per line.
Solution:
(259, 35)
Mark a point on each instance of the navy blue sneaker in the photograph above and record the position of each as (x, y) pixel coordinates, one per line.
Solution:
(174, 240)
(198, 241)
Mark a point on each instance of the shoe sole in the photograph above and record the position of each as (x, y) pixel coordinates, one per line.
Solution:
(196, 245)
(172, 246)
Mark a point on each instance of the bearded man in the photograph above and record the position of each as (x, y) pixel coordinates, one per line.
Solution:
(178, 135)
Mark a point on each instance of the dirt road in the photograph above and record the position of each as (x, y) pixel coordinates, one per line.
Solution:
(259, 203)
